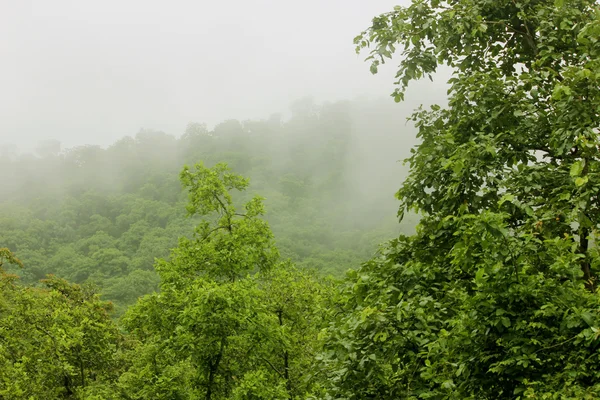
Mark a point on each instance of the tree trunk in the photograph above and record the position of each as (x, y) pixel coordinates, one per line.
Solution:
(286, 361)
(213, 367)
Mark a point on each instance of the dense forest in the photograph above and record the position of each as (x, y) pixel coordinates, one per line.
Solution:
(102, 216)
(213, 265)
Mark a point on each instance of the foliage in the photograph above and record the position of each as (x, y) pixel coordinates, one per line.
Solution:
(55, 343)
(495, 295)
(102, 215)
(6, 256)
(231, 320)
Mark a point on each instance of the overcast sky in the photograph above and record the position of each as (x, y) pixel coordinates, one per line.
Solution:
(92, 71)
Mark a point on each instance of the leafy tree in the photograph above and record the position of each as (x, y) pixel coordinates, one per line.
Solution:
(495, 294)
(231, 319)
(295, 303)
(7, 256)
(55, 343)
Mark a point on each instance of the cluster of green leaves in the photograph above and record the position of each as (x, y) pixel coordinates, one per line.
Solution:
(55, 343)
(495, 295)
(232, 320)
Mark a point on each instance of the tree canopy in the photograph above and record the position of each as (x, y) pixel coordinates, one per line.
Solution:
(495, 296)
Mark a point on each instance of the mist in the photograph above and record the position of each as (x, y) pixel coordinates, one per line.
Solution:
(92, 72)
(327, 173)
(104, 103)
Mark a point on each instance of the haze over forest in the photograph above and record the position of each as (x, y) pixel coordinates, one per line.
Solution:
(105, 103)
(86, 73)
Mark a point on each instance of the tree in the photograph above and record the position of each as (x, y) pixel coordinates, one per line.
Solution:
(7, 256)
(231, 320)
(495, 295)
(55, 343)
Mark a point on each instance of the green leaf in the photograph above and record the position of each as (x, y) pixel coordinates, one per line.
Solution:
(577, 168)
(581, 181)
(587, 318)
(448, 384)
(505, 198)
(479, 276)
(565, 196)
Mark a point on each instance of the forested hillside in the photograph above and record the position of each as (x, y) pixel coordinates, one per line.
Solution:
(102, 215)
(218, 248)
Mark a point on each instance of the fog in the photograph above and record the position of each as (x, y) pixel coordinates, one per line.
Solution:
(93, 72)
(328, 175)
(102, 103)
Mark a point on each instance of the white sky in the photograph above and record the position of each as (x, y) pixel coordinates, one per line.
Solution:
(92, 71)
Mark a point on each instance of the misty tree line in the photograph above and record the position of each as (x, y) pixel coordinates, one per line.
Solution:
(102, 216)
(493, 296)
